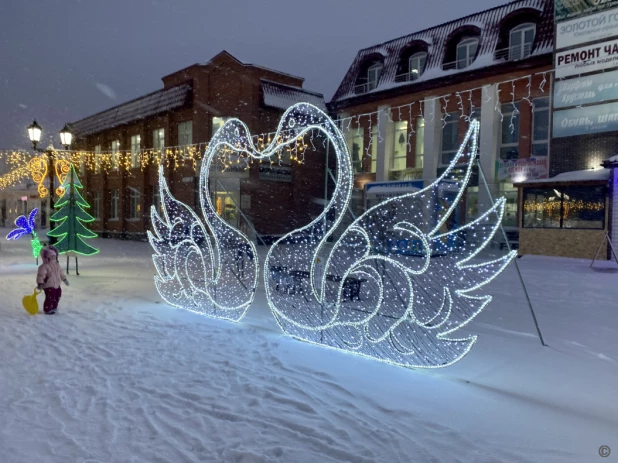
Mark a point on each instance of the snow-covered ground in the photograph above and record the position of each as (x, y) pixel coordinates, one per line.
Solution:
(119, 376)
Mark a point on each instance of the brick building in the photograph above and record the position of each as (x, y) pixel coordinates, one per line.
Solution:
(193, 103)
(490, 66)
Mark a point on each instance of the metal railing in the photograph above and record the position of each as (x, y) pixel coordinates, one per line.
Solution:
(408, 76)
(364, 88)
(514, 53)
(459, 64)
(412, 173)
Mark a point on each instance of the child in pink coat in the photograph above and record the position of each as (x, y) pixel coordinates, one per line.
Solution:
(48, 279)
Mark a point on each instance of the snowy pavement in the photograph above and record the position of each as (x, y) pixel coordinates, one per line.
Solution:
(119, 376)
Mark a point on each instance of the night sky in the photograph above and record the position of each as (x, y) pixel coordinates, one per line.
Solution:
(61, 60)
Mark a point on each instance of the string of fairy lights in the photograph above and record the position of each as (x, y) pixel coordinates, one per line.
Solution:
(174, 157)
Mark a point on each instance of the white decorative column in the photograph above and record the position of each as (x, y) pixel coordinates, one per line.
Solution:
(489, 146)
(382, 164)
(433, 138)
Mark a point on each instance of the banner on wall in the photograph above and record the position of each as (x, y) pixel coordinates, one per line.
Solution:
(587, 120)
(587, 29)
(586, 59)
(584, 90)
(569, 9)
(520, 170)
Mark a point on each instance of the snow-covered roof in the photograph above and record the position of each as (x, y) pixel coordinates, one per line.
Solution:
(139, 108)
(574, 176)
(281, 96)
(487, 23)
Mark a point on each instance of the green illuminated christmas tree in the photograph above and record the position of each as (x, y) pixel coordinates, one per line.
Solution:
(71, 216)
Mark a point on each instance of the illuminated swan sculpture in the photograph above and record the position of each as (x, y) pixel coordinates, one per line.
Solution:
(392, 285)
(205, 266)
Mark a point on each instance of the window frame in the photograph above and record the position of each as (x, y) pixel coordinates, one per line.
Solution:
(419, 148)
(135, 203)
(96, 205)
(396, 135)
(421, 56)
(97, 159)
(114, 204)
(521, 29)
(115, 150)
(455, 121)
(136, 142)
(158, 139)
(506, 118)
(375, 68)
(352, 135)
(536, 109)
(212, 124)
(467, 43)
(183, 133)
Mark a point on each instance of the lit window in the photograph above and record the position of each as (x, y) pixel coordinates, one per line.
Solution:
(355, 141)
(450, 138)
(420, 143)
(373, 75)
(134, 203)
(114, 204)
(135, 148)
(96, 205)
(540, 127)
(185, 133)
(466, 52)
(509, 144)
(97, 159)
(521, 40)
(416, 65)
(115, 154)
(400, 146)
(217, 122)
(158, 139)
(374, 149)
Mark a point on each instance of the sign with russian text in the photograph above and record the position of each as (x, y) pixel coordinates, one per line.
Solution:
(586, 59)
(587, 29)
(586, 120)
(276, 173)
(569, 9)
(584, 90)
(520, 170)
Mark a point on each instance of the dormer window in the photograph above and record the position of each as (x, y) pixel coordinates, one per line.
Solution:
(373, 75)
(521, 39)
(416, 65)
(466, 52)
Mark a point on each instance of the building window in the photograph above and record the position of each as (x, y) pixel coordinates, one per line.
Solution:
(373, 75)
(521, 40)
(416, 65)
(568, 207)
(450, 138)
(466, 51)
(115, 154)
(96, 205)
(420, 143)
(114, 204)
(185, 133)
(374, 149)
(217, 123)
(135, 207)
(540, 127)
(400, 146)
(156, 199)
(509, 143)
(135, 148)
(158, 139)
(97, 159)
(355, 141)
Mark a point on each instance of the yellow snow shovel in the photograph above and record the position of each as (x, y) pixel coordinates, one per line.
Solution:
(30, 303)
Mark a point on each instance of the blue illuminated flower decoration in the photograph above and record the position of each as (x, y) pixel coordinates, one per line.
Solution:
(25, 226)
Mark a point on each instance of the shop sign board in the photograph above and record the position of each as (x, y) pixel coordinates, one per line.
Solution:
(587, 29)
(276, 173)
(589, 58)
(585, 120)
(519, 170)
(569, 9)
(595, 88)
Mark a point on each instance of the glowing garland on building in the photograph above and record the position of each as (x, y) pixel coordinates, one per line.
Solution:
(395, 305)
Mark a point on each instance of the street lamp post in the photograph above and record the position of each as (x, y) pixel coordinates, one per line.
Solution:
(66, 137)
